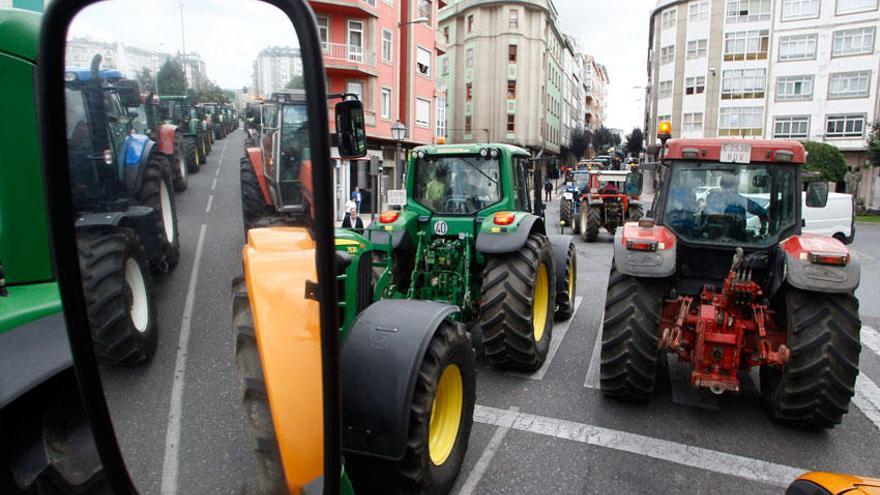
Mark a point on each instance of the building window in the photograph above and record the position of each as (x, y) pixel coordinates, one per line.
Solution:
(468, 126)
(371, 2)
(469, 91)
(470, 23)
(667, 19)
(387, 45)
(324, 32)
(748, 10)
(446, 34)
(697, 49)
(445, 65)
(698, 12)
(695, 85)
(746, 45)
(511, 122)
(845, 125)
(469, 57)
(852, 6)
(440, 114)
(386, 103)
(791, 127)
(799, 9)
(692, 122)
(800, 47)
(743, 83)
(849, 84)
(426, 9)
(853, 42)
(664, 89)
(355, 41)
(514, 19)
(667, 54)
(511, 90)
(423, 112)
(740, 121)
(356, 88)
(423, 61)
(794, 88)
(511, 54)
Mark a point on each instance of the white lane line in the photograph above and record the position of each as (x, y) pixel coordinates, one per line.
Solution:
(217, 173)
(470, 485)
(210, 200)
(871, 339)
(171, 461)
(862, 255)
(214, 184)
(867, 398)
(592, 380)
(559, 331)
(686, 455)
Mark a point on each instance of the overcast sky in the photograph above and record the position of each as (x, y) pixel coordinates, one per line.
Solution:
(616, 33)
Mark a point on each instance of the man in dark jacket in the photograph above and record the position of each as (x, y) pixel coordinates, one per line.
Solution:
(351, 219)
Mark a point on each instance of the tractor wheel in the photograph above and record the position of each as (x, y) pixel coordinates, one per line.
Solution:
(516, 312)
(635, 213)
(207, 140)
(156, 193)
(253, 206)
(178, 162)
(118, 293)
(575, 223)
(591, 220)
(815, 387)
(440, 420)
(192, 159)
(628, 366)
(261, 429)
(201, 151)
(567, 290)
(565, 211)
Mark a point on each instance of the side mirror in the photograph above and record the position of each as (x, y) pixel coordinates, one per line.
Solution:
(129, 92)
(634, 184)
(350, 129)
(817, 194)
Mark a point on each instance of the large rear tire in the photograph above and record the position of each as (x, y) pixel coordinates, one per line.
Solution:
(816, 385)
(628, 368)
(156, 193)
(253, 206)
(192, 160)
(179, 166)
(440, 420)
(261, 429)
(202, 152)
(591, 220)
(575, 223)
(565, 211)
(566, 289)
(118, 293)
(516, 311)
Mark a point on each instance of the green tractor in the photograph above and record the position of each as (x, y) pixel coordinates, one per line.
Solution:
(45, 440)
(218, 119)
(170, 139)
(176, 110)
(472, 234)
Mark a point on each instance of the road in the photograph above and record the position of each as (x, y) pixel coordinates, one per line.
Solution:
(181, 425)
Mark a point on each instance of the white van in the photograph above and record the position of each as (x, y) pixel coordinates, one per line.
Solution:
(836, 219)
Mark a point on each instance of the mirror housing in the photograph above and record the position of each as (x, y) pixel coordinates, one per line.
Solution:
(129, 92)
(817, 194)
(633, 185)
(352, 137)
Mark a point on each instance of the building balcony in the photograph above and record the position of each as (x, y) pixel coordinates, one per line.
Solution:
(346, 7)
(440, 43)
(345, 58)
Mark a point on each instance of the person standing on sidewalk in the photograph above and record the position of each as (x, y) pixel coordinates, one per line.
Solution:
(357, 197)
(548, 189)
(351, 219)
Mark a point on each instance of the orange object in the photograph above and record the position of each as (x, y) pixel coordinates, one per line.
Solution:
(664, 129)
(389, 216)
(504, 218)
(278, 262)
(843, 483)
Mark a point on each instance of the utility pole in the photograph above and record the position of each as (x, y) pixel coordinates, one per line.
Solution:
(183, 44)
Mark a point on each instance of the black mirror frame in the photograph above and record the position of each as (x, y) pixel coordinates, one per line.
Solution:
(825, 195)
(50, 82)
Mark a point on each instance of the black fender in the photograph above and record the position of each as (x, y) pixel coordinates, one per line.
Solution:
(139, 218)
(381, 357)
(560, 244)
(31, 354)
(502, 243)
(379, 239)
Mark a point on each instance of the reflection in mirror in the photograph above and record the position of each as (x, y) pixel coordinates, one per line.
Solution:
(163, 178)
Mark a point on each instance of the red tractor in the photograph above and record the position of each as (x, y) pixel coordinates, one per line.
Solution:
(609, 200)
(731, 283)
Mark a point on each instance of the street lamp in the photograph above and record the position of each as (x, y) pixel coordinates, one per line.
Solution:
(398, 133)
(417, 20)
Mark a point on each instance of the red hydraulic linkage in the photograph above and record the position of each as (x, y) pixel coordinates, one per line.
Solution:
(724, 333)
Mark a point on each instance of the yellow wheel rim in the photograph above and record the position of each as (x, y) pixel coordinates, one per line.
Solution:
(539, 304)
(571, 281)
(445, 415)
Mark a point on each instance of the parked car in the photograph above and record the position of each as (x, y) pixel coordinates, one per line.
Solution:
(836, 219)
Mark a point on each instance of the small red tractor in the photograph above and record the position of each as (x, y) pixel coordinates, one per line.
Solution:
(609, 200)
(731, 283)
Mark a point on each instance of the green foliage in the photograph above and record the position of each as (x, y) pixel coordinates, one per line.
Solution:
(145, 79)
(210, 93)
(580, 142)
(826, 160)
(635, 141)
(604, 139)
(874, 144)
(171, 80)
(297, 82)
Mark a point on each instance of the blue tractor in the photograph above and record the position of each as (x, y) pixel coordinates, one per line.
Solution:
(569, 205)
(126, 221)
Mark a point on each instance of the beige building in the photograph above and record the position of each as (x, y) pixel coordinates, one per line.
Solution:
(596, 83)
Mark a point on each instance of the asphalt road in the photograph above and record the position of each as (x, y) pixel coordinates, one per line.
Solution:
(181, 425)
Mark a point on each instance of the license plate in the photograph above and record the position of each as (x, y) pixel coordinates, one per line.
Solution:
(736, 153)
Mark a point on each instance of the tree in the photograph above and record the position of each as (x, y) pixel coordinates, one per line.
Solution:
(635, 141)
(874, 144)
(296, 82)
(580, 142)
(171, 80)
(826, 160)
(209, 93)
(145, 79)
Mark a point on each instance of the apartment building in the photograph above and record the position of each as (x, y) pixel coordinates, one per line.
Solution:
(799, 69)
(596, 82)
(275, 68)
(385, 52)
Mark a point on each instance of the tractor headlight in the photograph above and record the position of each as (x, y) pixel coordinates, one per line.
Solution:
(494, 153)
(484, 152)
(420, 154)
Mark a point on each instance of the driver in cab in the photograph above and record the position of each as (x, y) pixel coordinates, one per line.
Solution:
(435, 190)
(728, 202)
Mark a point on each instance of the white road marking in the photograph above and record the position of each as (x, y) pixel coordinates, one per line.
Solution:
(210, 200)
(559, 331)
(871, 339)
(171, 461)
(686, 455)
(470, 485)
(214, 184)
(867, 398)
(592, 380)
(217, 173)
(862, 255)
